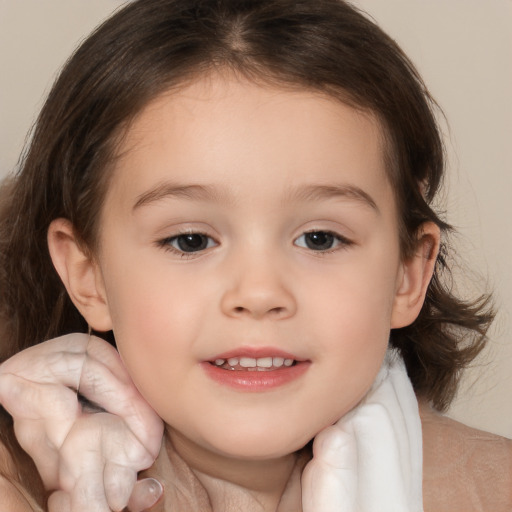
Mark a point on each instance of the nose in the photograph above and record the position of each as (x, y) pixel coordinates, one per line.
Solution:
(257, 290)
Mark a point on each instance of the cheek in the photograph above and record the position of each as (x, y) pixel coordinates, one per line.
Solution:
(156, 321)
(351, 314)
(141, 325)
(356, 295)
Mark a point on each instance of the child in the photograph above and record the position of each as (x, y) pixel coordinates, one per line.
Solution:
(239, 193)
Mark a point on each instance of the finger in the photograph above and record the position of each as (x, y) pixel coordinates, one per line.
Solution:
(101, 380)
(101, 385)
(332, 475)
(50, 368)
(101, 350)
(119, 445)
(98, 446)
(43, 415)
(59, 501)
(32, 438)
(82, 467)
(100, 460)
(105, 382)
(88, 494)
(58, 360)
(52, 407)
(145, 494)
(119, 482)
(26, 399)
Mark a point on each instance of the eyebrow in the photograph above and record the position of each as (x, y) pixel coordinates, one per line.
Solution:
(168, 190)
(323, 192)
(211, 193)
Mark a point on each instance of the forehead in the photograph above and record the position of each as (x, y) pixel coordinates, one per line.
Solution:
(232, 131)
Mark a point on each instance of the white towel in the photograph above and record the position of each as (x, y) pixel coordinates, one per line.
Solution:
(371, 459)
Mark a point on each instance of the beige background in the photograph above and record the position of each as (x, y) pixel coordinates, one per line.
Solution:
(463, 48)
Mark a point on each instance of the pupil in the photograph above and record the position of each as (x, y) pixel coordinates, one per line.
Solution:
(191, 243)
(319, 240)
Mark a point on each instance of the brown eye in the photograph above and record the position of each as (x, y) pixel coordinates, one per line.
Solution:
(190, 242)
(321, 241)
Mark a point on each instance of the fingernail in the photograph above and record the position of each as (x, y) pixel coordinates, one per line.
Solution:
(145, 494)
(154, 488)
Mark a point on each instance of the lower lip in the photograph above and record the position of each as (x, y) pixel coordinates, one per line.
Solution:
(255, 381)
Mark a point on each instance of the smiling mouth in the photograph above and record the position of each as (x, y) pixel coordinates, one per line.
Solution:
(251, 364)
(255, 370)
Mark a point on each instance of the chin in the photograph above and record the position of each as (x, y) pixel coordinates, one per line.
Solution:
(267, 446)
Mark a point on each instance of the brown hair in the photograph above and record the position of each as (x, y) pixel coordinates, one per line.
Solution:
(153, 45)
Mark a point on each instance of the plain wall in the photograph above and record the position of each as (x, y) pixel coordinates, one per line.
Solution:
(463, 48)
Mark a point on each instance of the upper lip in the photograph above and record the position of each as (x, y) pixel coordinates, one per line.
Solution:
(256, 353)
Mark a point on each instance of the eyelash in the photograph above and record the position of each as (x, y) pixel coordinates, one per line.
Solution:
(342, 242)
(167, 243)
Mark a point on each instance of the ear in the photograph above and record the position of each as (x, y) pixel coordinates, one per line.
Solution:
(80, 274)
(415, 277)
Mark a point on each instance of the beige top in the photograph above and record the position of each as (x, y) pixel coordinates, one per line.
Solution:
(464, 470)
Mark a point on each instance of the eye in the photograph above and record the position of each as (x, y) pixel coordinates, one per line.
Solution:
(189, 242)
(321, 241)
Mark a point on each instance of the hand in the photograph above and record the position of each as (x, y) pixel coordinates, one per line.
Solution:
(90, 458)
(371, 459)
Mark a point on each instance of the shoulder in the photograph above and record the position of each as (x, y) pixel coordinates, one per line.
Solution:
(464, 469)
(14, 497)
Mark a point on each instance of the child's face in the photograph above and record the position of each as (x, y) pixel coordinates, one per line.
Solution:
(292, 253)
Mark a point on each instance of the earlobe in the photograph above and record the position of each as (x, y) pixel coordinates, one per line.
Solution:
(415, 277)
(80, 274)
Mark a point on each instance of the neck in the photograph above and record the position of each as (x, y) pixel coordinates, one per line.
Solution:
(239, 484)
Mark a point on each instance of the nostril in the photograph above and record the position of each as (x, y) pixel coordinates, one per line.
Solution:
(277, 311)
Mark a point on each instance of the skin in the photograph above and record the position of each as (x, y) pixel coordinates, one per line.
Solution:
(255, 150)
(90, 460)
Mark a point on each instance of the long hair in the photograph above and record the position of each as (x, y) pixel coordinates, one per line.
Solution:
(152, 46)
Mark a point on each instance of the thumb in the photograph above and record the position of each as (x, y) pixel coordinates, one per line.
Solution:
(145, 494)
(330, 479)
(59, 501)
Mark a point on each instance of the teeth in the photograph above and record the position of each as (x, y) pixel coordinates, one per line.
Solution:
(264, 362)
(251, 362)
(247, 362)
